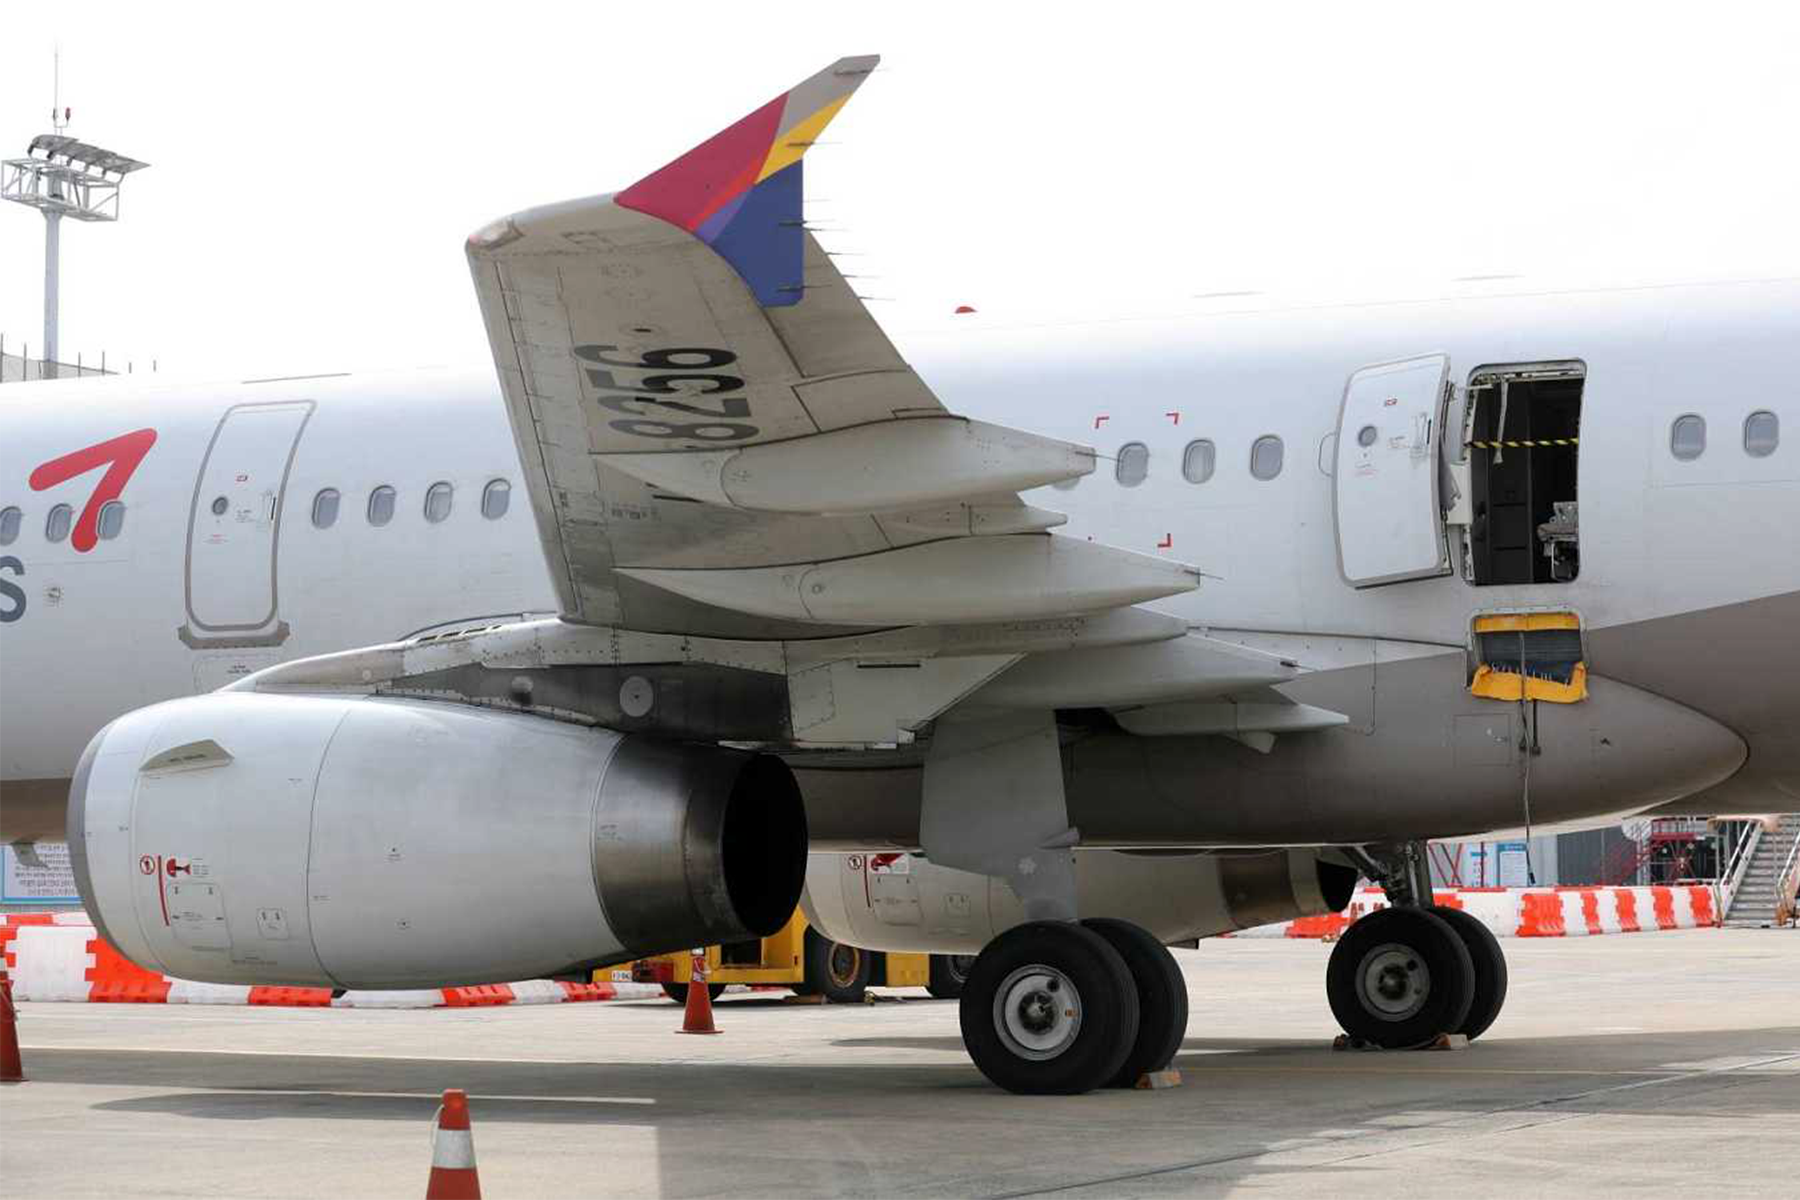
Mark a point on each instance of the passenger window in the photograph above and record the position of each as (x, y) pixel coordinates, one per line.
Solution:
(1762, 433)
(112, 520)
(1197, 461)
(381, 505)
(1265, 457)
(496, 498)
(56, 525)
(325, 508)
(1133, 465)
(1687, 437)
(437, 501)
(10, 520)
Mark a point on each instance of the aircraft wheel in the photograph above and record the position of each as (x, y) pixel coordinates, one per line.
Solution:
(1162, 998)
(838, 971)
(678, 991)
(949, 973)
(1399, 977)
(1049, 1008)
(1490, 970)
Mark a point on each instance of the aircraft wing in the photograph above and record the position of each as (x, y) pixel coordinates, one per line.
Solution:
(720, 440)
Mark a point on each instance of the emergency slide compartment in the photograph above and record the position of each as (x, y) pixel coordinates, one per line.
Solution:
(1528, 656)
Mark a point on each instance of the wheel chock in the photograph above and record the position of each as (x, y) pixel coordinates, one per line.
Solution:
(1156, 1081)
(1443, 1041)
(814, 998)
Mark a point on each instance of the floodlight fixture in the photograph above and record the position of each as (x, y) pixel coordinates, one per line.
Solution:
(67, 178)
(61, 176)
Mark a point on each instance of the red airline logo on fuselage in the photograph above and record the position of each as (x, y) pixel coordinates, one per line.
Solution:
(120, 456)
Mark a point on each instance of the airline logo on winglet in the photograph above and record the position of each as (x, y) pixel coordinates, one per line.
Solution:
(740, 190)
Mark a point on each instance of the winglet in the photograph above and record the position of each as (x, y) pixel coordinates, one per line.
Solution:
(739, 191)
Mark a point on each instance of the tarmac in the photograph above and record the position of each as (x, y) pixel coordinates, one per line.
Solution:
(1656, 1064)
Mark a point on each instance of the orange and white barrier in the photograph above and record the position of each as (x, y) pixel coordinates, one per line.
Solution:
(60, 956)
(1535, 912)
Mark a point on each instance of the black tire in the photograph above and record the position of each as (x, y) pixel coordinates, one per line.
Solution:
(1490, 969)
(1162, 998)
(1020, 987)
(949, 973)
(835, 970)
(678, 991)
(1399, 977)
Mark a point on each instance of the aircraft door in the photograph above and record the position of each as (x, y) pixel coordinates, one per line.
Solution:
(1385, 478)
(234, 526)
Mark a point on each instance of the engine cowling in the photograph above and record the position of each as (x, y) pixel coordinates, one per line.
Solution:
(369, 843)
(905, 902)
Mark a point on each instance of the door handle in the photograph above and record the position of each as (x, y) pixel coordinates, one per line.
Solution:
(1421, 443)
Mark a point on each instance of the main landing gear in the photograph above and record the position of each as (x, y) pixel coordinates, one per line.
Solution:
(1402, 975)
(1054, 1007)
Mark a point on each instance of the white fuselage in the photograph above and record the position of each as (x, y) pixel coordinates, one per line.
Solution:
(184, 600)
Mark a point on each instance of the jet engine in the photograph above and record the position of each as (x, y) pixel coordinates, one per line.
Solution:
(371, 843)
(904, 902)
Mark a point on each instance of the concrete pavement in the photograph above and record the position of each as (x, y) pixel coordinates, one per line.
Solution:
(1654, 1064)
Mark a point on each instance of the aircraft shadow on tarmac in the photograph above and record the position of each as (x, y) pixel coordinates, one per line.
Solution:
(1190, 1045)
(1236, 1117)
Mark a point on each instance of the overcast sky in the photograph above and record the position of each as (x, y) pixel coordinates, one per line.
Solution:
(315, 168)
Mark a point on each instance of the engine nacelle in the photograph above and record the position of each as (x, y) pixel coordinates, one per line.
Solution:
(369, 843)
(904, 902)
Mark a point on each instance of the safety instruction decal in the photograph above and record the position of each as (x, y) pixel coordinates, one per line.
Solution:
(37, 872)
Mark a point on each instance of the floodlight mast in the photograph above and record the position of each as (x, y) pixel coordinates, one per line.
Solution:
(62, 177)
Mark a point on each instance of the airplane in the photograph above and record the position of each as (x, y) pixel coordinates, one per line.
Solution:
(1124, 632)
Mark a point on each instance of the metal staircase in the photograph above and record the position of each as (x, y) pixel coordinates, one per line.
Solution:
(1754, 901)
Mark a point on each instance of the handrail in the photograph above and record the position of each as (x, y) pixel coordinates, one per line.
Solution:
(1734, 872)
(1787, 885)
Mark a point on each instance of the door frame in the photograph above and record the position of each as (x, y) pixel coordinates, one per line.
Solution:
(197, 633)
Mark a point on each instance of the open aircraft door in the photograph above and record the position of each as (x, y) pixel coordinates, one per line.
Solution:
(1390, 429)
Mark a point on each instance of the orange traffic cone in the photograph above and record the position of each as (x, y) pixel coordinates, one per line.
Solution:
(11, 1069)
(697, 1016)
(453, 1152)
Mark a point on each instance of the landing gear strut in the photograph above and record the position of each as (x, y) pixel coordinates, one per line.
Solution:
(1402, 975)
(1053, 1007)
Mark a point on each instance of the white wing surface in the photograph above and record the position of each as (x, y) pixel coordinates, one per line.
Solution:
(720, 440)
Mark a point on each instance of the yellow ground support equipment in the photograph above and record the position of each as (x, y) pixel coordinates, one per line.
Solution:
(800, 958)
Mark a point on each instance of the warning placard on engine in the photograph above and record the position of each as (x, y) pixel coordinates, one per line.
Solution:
(37, 871)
